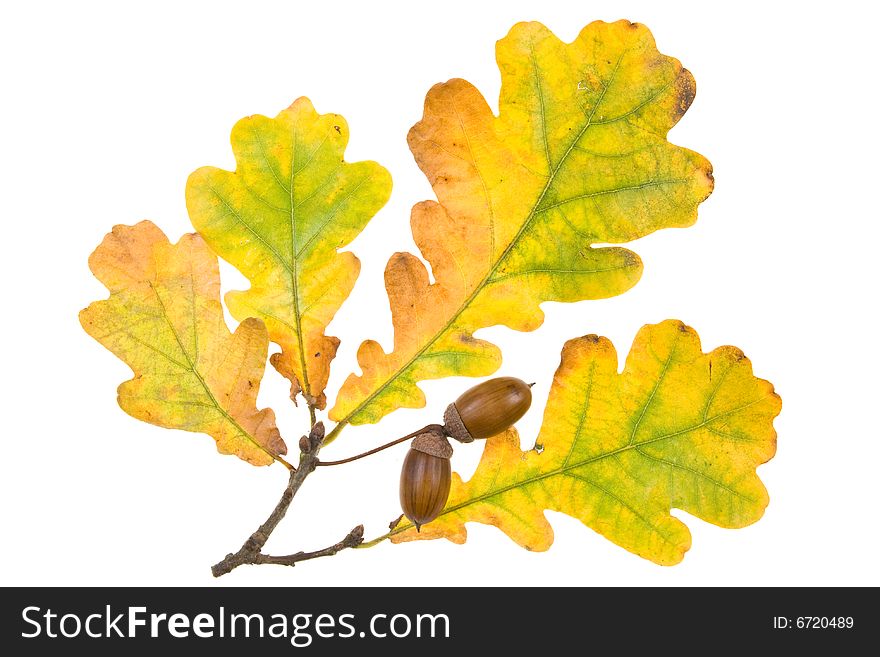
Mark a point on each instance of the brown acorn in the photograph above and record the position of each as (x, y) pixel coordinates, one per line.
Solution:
(426, 477)
(488, 408)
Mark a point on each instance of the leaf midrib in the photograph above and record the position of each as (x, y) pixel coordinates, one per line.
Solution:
(522, 483)
(201, 380)
(486, 279)
(291, 267)
(306, 386)
(295, 250)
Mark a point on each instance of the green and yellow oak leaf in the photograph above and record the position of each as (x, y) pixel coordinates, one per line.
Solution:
(164, 319)
(677, 429)
(279, 219)
(577, 156)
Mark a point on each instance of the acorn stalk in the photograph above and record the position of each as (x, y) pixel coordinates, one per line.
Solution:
(426, 477)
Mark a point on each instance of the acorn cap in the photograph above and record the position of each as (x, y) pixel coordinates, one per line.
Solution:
(432, 442)
(455, 426)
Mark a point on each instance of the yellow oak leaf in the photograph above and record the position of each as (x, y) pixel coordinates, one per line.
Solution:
(164, 319)
(279, 219)
(577, 156)
(677, 429)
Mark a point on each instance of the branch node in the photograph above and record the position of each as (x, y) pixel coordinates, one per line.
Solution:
(251, 551)
(316, 435)
(355, 537)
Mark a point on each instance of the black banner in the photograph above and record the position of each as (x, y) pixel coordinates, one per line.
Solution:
(399, 620)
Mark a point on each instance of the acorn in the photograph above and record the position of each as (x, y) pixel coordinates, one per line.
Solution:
(488, 408)
(426, 477)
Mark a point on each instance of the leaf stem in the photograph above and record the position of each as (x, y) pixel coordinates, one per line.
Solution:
(394, 442)
(397, 527)
(377, 540)
(334, 433)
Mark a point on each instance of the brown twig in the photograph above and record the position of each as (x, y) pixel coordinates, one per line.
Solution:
(250, 551)
(354, 538)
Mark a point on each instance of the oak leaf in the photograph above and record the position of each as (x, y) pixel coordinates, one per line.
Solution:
(577, 156)
(164, 319)
(676, 429)
(279, 219)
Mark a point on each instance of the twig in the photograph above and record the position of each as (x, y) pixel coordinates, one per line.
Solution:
(354, 538)
(385, 446)
(251, 548)
(251, 551)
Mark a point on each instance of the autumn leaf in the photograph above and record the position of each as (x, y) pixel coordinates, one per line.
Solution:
(677, 429)
(164, 319)
(280, 218)
(577, 157)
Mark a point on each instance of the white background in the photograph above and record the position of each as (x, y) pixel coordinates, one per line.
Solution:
(108, 107)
